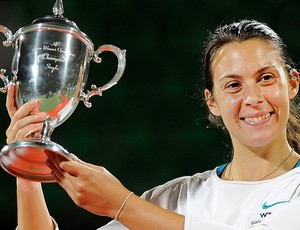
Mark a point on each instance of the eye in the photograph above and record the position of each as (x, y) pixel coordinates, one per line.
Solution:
(267, 79)
(233, 86)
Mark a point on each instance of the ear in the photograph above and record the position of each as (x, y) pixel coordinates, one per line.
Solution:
(293, 83)
(211, 103)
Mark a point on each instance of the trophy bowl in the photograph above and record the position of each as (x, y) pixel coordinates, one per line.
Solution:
(50, 63)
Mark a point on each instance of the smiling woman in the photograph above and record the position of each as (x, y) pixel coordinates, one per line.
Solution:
(251, 84)
(251, 90)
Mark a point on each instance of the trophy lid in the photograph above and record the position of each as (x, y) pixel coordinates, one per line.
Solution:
(57, 18)
(56, 22)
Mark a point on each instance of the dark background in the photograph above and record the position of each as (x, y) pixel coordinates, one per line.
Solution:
(149, 128)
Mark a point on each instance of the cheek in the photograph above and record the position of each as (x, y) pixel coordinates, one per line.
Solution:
(279, 97)
(281, 102)
(229, 107)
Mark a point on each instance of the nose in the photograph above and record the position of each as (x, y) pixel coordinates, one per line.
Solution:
(252, 95)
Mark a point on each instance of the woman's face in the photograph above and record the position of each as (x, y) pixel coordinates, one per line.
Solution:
(251, 92)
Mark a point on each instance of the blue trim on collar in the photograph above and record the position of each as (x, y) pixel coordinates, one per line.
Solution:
(221, 168)
(298, 164)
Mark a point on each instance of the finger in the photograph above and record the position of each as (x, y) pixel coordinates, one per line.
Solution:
(24, 127)
(55, 171)
(23, 112)
(10, 100)
(59, 158)
(64, 183)
(89, 165)
(36, 135)
(28, 108)
(68, 187)
(62, 180)
(74, 157)
(55, 158)
(61, 177)
(72, 167)
(32, 119)
(94, 167)
(26, 132)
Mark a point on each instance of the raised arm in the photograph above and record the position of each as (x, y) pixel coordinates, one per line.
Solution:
(32, 209)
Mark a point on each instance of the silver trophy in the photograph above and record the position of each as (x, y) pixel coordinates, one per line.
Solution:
(50, 63)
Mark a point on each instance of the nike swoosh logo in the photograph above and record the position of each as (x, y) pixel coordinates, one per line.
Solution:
(266, 206)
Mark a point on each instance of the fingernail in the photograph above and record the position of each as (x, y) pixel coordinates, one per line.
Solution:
(42, 115)
(11, 85)
(33, 103)
(74, 157)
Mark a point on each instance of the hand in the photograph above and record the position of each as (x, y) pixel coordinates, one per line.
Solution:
(89, 186)
(23, 122)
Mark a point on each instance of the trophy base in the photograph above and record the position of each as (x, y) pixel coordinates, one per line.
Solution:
(27, 159)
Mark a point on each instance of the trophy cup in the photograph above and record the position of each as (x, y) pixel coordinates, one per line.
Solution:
(50, 63)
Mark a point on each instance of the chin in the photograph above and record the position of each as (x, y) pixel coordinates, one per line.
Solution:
(260, 142)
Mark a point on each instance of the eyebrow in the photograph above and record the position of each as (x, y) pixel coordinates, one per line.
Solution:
(236, 76)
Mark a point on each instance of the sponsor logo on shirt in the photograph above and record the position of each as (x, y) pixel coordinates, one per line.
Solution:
(259, 217)
(266, 206)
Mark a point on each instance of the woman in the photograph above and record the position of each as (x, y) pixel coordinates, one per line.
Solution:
(250, 88)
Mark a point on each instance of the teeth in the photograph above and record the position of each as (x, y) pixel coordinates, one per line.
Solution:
(257, 119)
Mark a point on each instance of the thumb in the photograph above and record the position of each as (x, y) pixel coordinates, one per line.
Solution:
(72, 167)
(89, 165)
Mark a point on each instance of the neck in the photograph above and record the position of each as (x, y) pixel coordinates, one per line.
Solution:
(260, 164)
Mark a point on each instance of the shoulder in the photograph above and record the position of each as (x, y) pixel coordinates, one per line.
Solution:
(176, 189)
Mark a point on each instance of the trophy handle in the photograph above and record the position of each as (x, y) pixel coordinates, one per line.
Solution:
(121, 66)
(5, 81)
(8, 35)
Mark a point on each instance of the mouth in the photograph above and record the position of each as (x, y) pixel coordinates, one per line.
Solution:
(257, 119)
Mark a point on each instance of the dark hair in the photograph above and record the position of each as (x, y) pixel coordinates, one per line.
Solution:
(239, 32)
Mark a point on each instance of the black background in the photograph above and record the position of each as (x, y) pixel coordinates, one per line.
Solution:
(149, 128)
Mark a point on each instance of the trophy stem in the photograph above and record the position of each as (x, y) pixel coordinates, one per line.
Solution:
(47, 130)
(27, 158)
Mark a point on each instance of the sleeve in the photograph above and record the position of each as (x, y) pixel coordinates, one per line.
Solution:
(113, 225)
(285, 218)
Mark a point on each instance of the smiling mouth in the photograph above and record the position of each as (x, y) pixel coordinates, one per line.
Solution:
(257, 119)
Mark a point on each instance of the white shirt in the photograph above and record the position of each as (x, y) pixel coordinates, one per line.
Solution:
(210, 203)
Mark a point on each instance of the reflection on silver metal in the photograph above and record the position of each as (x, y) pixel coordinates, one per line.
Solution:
(27, 159)
(50, 63)
(8, 35)
(5, 81)
(58, 8)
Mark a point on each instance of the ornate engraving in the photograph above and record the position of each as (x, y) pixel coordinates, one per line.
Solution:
(60, 55)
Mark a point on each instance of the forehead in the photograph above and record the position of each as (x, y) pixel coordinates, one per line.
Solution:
(242, 58)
